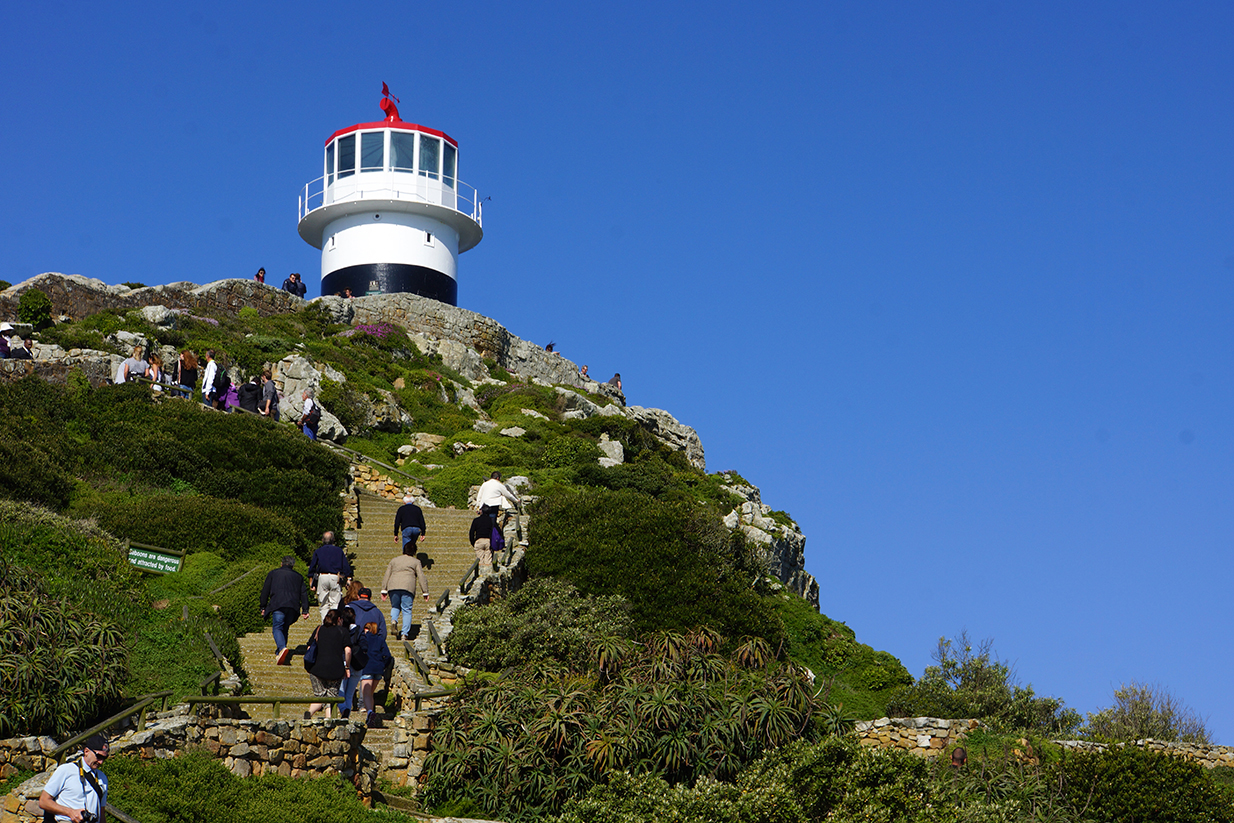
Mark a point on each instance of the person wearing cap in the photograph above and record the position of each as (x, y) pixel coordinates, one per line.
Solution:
(80, 787)
(329, 569)
(5, 331)
(409, 522)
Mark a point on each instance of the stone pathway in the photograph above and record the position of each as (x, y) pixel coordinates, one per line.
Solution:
(447, 556)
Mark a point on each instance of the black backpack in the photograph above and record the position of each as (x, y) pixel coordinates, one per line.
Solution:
(222, 381)
(314, 415)
(359, 650)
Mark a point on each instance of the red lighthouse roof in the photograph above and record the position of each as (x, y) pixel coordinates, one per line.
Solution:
(393, 121)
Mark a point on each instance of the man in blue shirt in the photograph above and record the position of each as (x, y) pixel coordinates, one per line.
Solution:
(329, 569)
(79, 787)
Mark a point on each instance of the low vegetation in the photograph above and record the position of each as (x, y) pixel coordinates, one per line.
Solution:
(672, 705)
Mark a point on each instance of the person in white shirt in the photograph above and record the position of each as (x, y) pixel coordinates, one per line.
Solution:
(80, 787)
(207, 381)
(494, 497)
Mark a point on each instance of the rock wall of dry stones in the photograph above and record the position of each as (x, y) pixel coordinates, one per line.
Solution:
(1206, 755)
(74, 296)
(930, 736)
(925, 736)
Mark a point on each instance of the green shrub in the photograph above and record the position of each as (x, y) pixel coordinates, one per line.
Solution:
(346, 403)
(34, 307)
(61, 665)
(74, 560)
(30, 474)
(676, 563)
(569, 450)
(858, 677)
(546, 619)
(4, 284)
(970, 682)
(194, 787)
(1129, 785)
(135, 285)
(671, 706)
(1141, 710)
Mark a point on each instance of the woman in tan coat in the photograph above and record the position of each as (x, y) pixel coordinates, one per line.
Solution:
(403, 574)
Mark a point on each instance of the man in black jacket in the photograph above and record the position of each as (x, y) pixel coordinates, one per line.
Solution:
(480, 535)
(409, 521)
(284, 596)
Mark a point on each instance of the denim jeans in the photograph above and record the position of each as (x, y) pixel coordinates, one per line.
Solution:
(411, 534)
(283, 620)
(347, 691)
(312, 435)
(401, 600)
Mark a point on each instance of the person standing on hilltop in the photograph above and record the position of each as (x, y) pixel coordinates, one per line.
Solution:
(269, 396)
(134, 366)
(329, 569)
(310, 414)
(409, 522)
(249, 394)
(615, 380)
(186, 373)
(260, 277)
(284, 595)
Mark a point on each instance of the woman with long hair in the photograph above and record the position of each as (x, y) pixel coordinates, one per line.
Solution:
(186, 373)
(333, 661)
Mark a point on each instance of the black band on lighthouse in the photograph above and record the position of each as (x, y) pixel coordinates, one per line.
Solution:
(391, 278)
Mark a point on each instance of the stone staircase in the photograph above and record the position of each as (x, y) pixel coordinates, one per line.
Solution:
(447, 556)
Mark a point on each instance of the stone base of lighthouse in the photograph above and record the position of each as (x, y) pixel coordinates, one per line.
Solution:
(391, 278)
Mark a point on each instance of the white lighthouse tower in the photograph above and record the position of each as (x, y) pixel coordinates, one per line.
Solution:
(389, 212)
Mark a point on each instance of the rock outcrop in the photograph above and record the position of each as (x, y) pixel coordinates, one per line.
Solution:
(780, 545)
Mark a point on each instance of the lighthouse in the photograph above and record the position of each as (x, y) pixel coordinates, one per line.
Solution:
(389, 212)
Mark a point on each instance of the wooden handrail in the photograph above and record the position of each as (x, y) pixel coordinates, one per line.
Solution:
(418, 660)
(442, 601)
(138, 708)
(465, 584)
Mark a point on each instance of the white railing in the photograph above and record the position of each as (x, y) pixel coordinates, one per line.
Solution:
(417, 187)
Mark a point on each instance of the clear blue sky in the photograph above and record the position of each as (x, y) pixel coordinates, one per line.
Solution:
(951, 282)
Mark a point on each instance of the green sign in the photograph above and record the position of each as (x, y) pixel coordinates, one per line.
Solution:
(151, 559)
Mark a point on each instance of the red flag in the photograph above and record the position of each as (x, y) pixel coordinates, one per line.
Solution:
(385, 90)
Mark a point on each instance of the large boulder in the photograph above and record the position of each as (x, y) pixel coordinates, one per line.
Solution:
(295, 373)
(667, 430)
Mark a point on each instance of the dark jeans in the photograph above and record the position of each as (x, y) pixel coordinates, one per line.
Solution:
(283, 620)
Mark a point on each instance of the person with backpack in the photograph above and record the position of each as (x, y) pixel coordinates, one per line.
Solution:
(310, 415)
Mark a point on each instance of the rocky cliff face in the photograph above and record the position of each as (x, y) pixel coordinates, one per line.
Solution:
(463, 339)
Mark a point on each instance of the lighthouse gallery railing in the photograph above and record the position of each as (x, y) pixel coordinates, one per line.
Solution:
(411, 186)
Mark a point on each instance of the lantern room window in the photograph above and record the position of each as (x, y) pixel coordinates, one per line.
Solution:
(430, 156)
(346, 156)
(372, 150)
(403, 151)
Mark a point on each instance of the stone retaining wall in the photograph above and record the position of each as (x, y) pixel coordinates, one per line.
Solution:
(925, 736)
(316, 748)
(930, 736)
(1206, 755)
